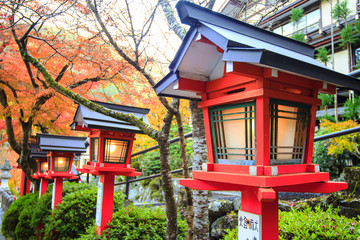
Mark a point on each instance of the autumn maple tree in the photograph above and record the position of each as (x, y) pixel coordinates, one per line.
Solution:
(28, 103)
(65, 67)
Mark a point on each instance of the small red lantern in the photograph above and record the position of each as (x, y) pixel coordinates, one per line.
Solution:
(42, 167)
(111, 143)
(60, 153)
(258, 92)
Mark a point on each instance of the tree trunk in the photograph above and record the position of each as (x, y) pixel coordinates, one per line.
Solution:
(171, 210)
(189, 200)
(200, 198)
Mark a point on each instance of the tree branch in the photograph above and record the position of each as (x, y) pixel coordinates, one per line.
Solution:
(8, 122)
(118, 49)
(172, 21)
(145, 128)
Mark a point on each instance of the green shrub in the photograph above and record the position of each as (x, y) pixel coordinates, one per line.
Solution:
(23, 230)
(318, 224)
(137, 223)
(76, 212)
(308, 224)
(11, 216)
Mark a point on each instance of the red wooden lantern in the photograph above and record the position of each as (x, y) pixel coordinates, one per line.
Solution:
(258, 92)
(42, 167)
(111, 143)
(60, 153)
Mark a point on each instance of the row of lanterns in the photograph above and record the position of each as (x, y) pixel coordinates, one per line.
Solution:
(111, 143)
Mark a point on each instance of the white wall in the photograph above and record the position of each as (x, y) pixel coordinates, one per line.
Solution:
(341, 62)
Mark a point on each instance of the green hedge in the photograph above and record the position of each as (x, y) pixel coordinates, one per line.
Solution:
(75, 213)
(309, 224)
(10, 226)
(137, 223)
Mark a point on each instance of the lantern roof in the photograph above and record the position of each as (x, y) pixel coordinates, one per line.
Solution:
(215, 39)
(58, 143)
(85, 117)
(35, 152)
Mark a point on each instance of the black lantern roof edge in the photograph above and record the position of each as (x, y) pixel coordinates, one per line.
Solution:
(35, 152)
(191, 14)
(60, 143)
(241, 42)
(60, 136)
(93, 120)
(119, 107)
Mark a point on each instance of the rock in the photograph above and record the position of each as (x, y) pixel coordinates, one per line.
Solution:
(181, 198)
(284, 207)
(218, 227)
(352, 176)
(237, 204)
(348, 212)
(351, 203)
(219, 208)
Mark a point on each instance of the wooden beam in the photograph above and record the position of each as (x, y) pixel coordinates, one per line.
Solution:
(232, 98)
(186, 84)
(318, 187)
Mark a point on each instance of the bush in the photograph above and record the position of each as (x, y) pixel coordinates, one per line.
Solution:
(76, 212)
(318, 224)
(11, 216)
(333, 155)
(137, 223)
(23, 230)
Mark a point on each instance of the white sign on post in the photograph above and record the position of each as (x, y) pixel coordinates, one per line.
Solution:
(53, 197)
(249, 226)
(99, 203)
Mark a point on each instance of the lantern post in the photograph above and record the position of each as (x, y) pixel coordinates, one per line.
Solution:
(60, 153)
(42, 167)
(258, 91)
(111, 142)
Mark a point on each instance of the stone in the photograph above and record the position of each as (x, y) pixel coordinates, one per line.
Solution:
(355, 204)
(237, 204)
(284, 207)
(352, 177)
(218, 227)
(219, 208)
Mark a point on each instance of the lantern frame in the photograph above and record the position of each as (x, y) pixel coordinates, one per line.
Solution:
(101, 129)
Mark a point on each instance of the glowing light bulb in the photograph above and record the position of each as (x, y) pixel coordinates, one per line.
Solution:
(112, 148)
(46, 165)
(61, 161)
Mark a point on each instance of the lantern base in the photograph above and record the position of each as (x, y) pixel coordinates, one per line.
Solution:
(38, 175)
(54, 175)
(299, 182)
(97, 170)
(262, 181)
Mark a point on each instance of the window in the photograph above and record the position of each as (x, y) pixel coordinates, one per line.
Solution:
(115, 151)
(233, 132)
(357, 56)
(308, 23)
(62, 164)
(288, 129)
(94, 144)
(43, 167)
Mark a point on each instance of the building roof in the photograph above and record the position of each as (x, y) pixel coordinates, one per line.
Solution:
(238, 42)
(58, 143)
(90, 119)
(35, 152)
